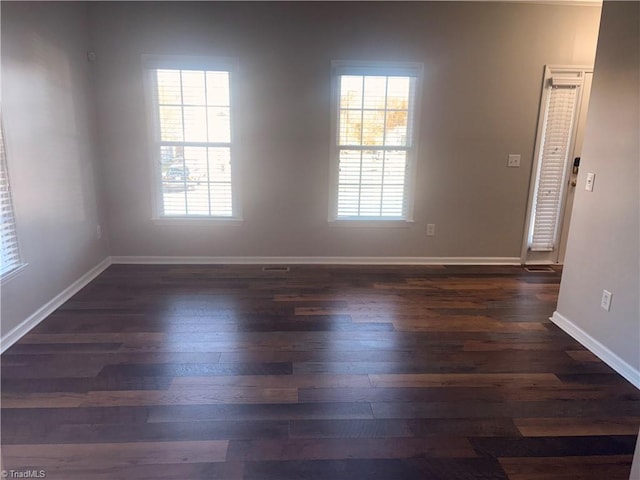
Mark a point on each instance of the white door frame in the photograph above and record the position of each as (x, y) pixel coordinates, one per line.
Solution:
(578, 72)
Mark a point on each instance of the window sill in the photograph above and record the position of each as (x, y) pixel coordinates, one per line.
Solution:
(10, 275)
(371, 223)
(197, 221)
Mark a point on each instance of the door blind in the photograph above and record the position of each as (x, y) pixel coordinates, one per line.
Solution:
(10, 253)
(552, 165)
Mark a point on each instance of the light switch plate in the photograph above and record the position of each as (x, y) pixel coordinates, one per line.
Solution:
(514, 160)
(591, 177)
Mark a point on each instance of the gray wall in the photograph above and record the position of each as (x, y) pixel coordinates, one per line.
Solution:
(604, 239)
(483, 73)
(483, 62)
(48, 117)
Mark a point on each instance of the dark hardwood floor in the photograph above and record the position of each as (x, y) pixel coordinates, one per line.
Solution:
(323, 373)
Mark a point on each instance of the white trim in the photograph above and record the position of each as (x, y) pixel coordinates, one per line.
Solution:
(540, 262)
(171, 260)
(629, 372)
(368, 68)
(13, 273)
(370, 223)
(149, 64)
(197, 221)
(48, 308)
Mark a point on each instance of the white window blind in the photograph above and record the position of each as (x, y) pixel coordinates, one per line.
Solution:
(192, 111)
(376, 116)
(559, 118)
(8, 236)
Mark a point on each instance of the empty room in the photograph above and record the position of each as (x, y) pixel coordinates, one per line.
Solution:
(377, 240)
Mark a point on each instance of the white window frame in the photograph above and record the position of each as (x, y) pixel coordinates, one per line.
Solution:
(365, 68)
(8, 228)
(150, 63)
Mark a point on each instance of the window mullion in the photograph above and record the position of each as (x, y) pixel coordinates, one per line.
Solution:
(361, 151)
(184, 163)
(206, 117)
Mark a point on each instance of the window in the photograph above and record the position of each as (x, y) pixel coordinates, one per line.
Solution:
(375, 147)
(193, 148)
(8, 237)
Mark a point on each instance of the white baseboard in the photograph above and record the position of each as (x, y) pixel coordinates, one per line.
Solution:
(629, 372)
(317, 260)
(48, 308)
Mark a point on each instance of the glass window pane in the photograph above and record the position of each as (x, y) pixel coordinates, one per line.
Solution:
(195, 124)
(171, 124)
(398, 92)
(170, 155)
(193, 90)
(220, 164)
(394, 167)
(221, 199)
(195, 160)
(375, 91)
(218, 89)
(173, 198)
(393, 200)
(349, 167)
(373, 127)
(168, 82)
(350, 127)
(396, 128)
(372, 167)
(198, 198)
(370, 200)
(351, 91)
(348, 200)
(219, 124)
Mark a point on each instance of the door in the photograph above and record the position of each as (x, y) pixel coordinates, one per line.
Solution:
(573, 174)
(563, 112)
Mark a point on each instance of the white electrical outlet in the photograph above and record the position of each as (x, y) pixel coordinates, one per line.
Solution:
(431, 229)
(606, 300)
(591, 177)
(514, 160)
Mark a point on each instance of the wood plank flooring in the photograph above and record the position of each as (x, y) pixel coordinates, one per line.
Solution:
(322, 372)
